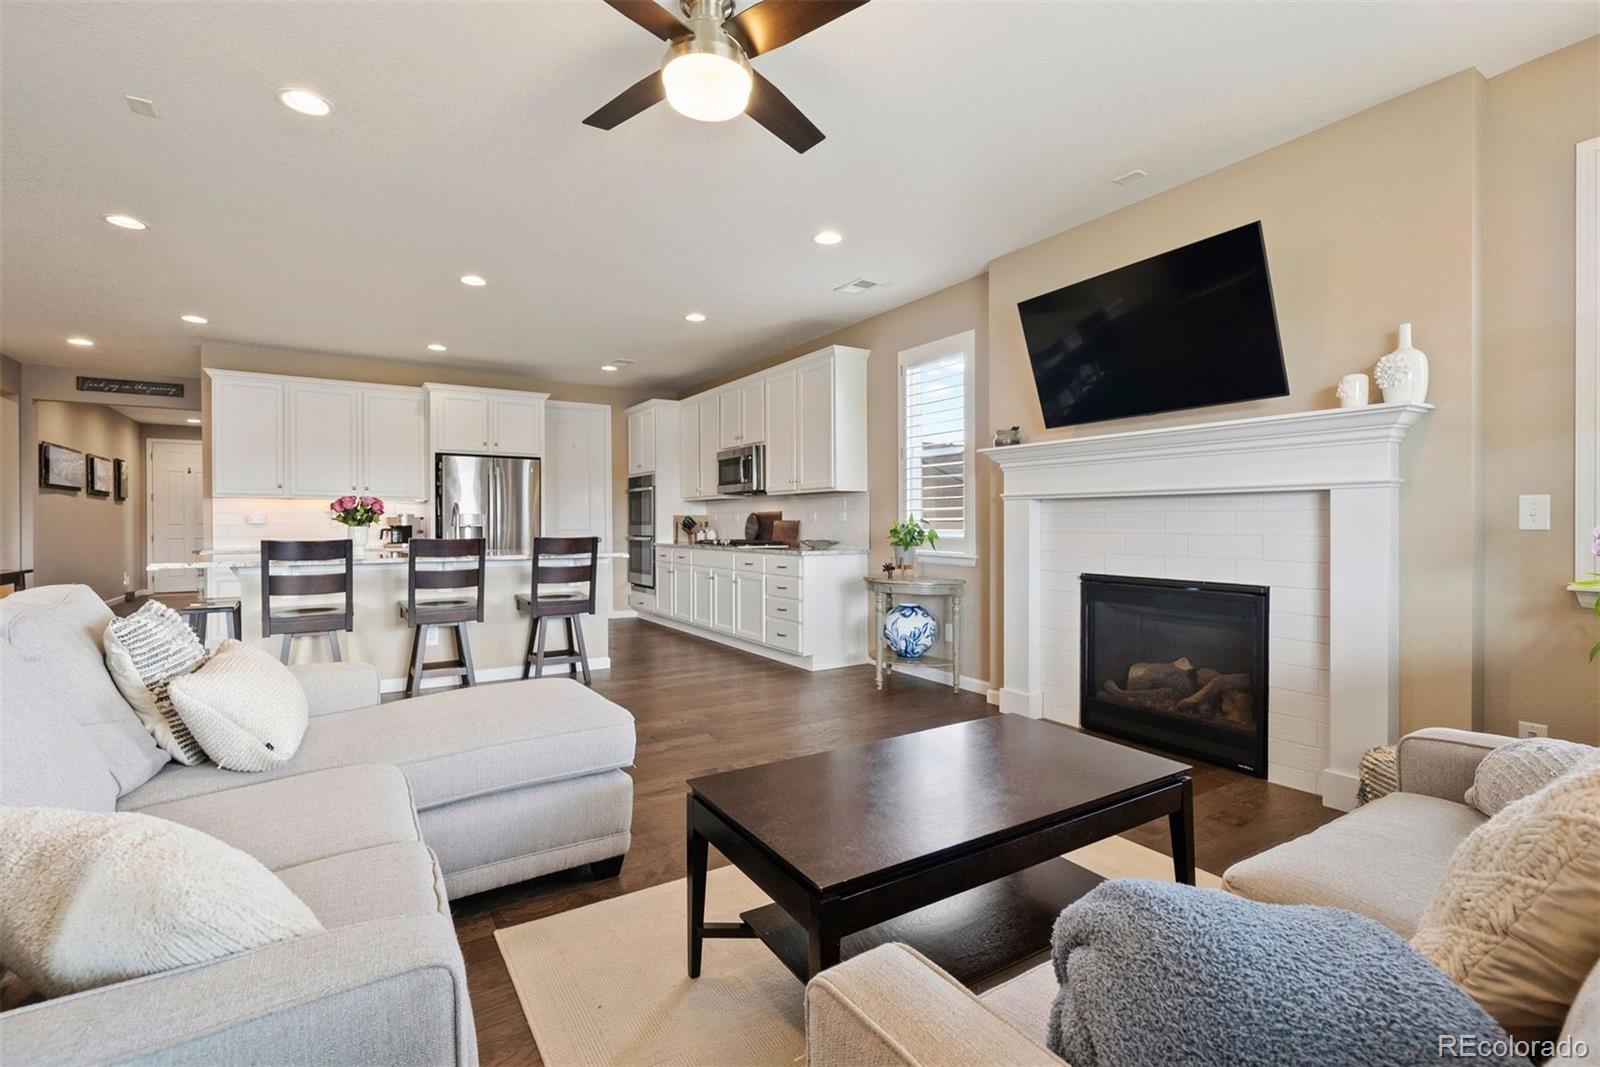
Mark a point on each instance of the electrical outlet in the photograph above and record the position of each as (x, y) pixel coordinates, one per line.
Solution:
(1533, 511)
(1532, 729)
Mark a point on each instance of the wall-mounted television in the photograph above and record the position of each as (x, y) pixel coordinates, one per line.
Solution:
(1189, 328)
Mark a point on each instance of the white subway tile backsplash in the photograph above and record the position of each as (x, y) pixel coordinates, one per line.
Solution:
(1291, 523)
(1134, 566)
(842, 517)
(1301, 601)
(1200, 569)
(1157, 544)
(1299, 627)
(1233, 546)
(1130, 521)
(1283, 573)
(1297, 549)
(1203, 522)
(1298, 653)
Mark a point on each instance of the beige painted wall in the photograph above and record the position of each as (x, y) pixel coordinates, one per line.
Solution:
(95, 540)
(1368, 223)
(394, 372)
(10, 463)
(951, 311)
(1535, 633)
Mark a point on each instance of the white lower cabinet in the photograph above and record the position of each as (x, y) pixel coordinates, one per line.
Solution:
(809, 611)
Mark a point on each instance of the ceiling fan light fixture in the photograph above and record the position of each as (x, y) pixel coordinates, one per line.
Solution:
(707, 78)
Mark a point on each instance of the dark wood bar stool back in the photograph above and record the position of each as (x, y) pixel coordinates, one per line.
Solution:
(565, 605)
(306, 622)
(467, 574)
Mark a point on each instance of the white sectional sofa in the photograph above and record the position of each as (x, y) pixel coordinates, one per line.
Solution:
(384, 814)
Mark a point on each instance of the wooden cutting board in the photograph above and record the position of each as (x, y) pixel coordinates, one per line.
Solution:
(787, 531)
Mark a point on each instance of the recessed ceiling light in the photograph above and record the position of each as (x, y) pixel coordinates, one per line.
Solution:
(827, 237)
(304, 101)
(192, 422)
(436, 347)
(694, 316)
(127, 222)
(608, 367)
(198, 320)
(81, 342)
(474, 280)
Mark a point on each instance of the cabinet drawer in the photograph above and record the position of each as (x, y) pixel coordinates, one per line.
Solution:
(782, 586)
(639, 600)
(664, 555)
(783, 564)
(713, 560)
(784, 635)
(748, 562)
(782, 609)
(682, 555)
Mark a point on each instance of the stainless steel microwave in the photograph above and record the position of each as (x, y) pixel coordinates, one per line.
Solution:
(742, 470)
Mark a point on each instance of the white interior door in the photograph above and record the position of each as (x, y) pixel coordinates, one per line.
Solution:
(174, 470)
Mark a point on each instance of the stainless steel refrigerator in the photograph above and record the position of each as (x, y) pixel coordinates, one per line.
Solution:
(493, 497)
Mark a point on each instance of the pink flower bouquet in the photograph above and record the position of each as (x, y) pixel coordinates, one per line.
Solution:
(351, 510)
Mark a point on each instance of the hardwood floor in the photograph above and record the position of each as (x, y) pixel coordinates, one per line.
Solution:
(702, 707)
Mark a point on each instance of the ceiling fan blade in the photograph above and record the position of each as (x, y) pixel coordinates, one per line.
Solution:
(777, 113)
(653, 17)
(628, 103)
(772, 24)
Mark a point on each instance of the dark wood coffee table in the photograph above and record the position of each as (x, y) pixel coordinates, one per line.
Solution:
(947, 839)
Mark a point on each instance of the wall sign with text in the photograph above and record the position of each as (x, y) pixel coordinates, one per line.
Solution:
(129, 386)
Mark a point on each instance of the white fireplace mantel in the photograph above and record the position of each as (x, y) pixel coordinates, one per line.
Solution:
(1351, 453)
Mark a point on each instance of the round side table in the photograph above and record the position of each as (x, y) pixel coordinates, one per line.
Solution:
(883, 592)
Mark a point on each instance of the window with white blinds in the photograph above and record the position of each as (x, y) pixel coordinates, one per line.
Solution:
(936, 438)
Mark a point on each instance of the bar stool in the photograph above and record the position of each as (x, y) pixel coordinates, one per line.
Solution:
(564, 605)
(306, 622)
(197, 613)
(454, 612)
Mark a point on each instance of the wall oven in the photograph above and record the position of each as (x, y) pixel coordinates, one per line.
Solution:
(642, 531)
(742, 470)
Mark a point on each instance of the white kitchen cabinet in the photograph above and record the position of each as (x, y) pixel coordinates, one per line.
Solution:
(496, 421)
(704, 597)
(814, 444)
(323, 438)
(460, 422)
(752, 411)
(665, 570)
(689, 449)
(749, 607)
(724, 605)
(683, 583)
(642, 440)
(517, 424)
(708, 449)
(781, 431)
(247, 435)
(728, 420)
(394, 443)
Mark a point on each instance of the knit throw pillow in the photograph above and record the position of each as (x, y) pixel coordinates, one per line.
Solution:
(1514, 920)
(245, 708)
(1521, 769)
(91, 898)
(144, 652)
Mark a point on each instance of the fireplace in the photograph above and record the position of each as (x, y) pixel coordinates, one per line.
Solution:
(1177, 665)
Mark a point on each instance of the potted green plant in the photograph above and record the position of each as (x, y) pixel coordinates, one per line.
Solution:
(908, 535)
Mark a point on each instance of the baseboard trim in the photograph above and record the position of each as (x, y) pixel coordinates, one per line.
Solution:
(490, 674)
(993, 697)
(1338, 789)
(624, 613)
(1017, 702)
(942, 676)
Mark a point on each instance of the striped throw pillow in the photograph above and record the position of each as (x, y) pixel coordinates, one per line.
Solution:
(144, 652)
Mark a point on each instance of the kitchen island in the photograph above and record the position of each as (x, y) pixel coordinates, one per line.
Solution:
(381, 637)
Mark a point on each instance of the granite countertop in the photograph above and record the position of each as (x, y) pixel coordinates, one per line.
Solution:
(836, 550)
(251, 561)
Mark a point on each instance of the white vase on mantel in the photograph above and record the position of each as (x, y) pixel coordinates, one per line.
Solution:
(1403, 373)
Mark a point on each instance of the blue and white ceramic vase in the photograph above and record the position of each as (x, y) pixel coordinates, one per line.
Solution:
(910, 630)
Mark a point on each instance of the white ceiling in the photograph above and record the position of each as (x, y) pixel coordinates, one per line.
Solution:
(957, 131)
(158, 416)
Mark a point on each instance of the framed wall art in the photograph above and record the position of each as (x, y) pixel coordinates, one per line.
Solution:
(121, 466)
(60, 467)
(101, 475)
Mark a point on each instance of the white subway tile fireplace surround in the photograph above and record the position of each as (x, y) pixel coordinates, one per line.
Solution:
(1279, 540)
(1305, 503)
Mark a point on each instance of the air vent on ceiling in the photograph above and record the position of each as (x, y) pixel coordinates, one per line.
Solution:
(140, 106)
(860, 285)
(1129, 178)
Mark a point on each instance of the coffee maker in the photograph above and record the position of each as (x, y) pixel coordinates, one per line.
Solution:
(400, 528)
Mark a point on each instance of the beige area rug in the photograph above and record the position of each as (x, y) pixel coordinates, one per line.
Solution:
(605, 984)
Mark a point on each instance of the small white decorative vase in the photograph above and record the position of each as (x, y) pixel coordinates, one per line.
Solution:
(358, 540)
(1353, 389)
(1403, 373)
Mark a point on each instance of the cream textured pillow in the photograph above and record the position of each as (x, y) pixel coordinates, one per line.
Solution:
(144, 652)
(91, 898)
(244, 707)
(1514, 920)
(1520, 769)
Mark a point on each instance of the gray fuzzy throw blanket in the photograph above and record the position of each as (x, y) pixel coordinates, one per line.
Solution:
(1159, 973)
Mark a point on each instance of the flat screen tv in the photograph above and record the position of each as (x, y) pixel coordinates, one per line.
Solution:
(1186, 329)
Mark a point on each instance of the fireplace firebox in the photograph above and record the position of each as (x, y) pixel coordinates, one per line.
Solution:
(1177, 665)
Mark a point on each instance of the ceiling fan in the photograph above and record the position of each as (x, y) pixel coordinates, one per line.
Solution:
(706, 72)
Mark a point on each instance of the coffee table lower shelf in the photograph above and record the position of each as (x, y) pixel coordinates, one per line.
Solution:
(974, 936)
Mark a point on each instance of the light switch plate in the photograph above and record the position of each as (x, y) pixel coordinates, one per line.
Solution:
(1532, 729)
(1533, 511)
